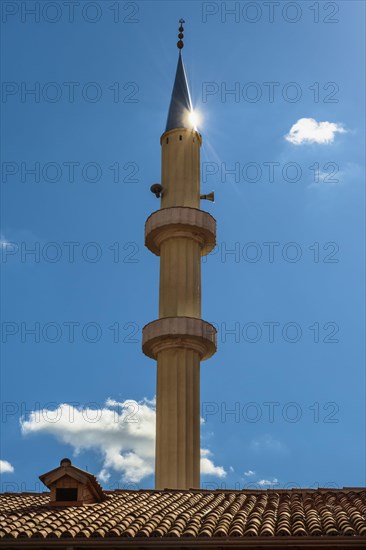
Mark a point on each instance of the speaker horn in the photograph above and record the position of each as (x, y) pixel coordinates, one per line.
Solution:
(157, 189)
(209, 197)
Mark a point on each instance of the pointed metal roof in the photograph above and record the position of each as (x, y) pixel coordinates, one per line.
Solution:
(180, 103)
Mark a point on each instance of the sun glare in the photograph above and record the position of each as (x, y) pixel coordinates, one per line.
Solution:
(194, 119)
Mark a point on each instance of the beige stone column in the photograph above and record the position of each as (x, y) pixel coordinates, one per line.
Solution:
(180, 168)
(180, 233)
(177, 419)
(180, 278)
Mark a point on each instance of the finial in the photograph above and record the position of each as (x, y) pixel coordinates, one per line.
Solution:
(180, 43)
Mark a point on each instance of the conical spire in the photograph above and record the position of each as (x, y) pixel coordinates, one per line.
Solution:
(180, 103)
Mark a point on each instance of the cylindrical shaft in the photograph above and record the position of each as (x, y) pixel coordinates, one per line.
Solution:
(180, 174)
(178, 420)
(178, 370)
(180, 278)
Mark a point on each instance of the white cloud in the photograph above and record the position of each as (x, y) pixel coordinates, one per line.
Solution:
(267, 443)
(104, 475)
(321, 177)
(123, 433)
(308, 130)
(6, 467)
(330, 174)
(3, 241)
(208, 467)
(266, 482)
(249, 473)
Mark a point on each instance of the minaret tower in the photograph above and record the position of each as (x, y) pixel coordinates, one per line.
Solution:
(180, 233)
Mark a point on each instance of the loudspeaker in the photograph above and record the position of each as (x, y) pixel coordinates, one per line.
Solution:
(209, 197)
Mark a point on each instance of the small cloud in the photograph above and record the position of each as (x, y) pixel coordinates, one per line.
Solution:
(323, 178)
(3, 241)
(249, 473)
(330, 174)
(104, 475)
(266, 482)
(6, 467)
(205, 453)
(268, 443)
(308, 130)
(208, 467)
(231, 469)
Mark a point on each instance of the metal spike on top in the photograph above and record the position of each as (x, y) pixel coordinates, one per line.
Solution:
(180, 43)
(180, 103)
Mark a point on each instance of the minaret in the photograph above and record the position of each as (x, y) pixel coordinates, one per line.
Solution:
(180, 233)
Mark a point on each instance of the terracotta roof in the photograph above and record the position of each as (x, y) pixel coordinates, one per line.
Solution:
(190, 519)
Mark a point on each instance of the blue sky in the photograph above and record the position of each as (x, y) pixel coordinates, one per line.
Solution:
(280, 94)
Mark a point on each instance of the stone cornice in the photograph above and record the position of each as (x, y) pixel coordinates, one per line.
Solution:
(180, 221)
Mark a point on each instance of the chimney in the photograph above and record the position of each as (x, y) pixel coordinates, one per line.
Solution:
(180, 233)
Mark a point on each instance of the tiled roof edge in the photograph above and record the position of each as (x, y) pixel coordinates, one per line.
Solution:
(206, 491)
(281, 543)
